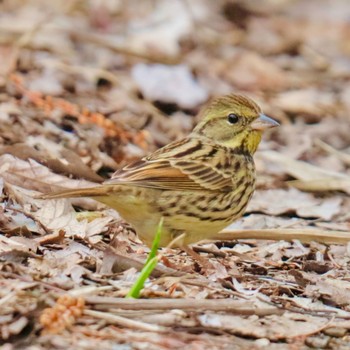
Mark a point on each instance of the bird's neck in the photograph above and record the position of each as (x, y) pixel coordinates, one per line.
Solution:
(245, 143)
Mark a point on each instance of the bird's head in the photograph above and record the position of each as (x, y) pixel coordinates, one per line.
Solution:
(234, 121)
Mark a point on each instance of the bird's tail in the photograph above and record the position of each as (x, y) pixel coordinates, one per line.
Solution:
(79, 192)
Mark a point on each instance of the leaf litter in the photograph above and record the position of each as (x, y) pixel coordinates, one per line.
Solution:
(87, 89)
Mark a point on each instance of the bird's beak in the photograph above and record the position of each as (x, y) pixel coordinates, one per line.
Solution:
(263, 122)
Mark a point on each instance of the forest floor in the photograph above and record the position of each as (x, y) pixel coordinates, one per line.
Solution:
(86, 87)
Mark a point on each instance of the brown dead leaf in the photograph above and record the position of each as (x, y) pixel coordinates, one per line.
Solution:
(53, 238)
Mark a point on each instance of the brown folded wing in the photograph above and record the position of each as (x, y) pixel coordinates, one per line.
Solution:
(172, 169)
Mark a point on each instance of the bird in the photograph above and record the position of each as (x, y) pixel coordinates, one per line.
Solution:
(197, 185)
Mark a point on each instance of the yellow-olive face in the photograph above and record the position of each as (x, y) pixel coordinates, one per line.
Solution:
(234, 121)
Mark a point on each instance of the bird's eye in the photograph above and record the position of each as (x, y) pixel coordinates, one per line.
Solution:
(232, 118)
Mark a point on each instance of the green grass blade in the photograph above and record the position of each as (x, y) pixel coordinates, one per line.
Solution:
(145, 273)
(156, 240)
(149, 266)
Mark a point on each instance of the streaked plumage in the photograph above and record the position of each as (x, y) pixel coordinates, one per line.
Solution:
(199, 184)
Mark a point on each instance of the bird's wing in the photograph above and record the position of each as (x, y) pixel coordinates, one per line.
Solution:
(181, 165)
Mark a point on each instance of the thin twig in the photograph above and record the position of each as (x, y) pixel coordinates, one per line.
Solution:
(124, 322)
(244, 307)
(302, 234)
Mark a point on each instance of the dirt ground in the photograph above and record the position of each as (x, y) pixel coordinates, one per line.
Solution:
(88, 86)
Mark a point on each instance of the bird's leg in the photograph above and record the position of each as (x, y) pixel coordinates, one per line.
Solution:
(203, 262)
(179, 241)
(212, 250)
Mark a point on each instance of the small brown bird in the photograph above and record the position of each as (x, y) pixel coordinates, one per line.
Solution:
(199, 184)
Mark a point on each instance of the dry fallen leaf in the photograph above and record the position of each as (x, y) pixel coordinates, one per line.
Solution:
(278, 201)
(60, 161)
(59, 215)
(308, 101)
(32, 175)
(311, 177)
(276, 328)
